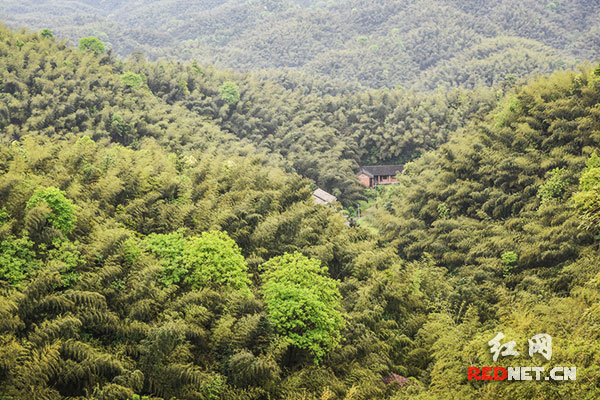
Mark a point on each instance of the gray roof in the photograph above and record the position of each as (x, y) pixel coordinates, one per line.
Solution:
(322, 197)
(381, 170)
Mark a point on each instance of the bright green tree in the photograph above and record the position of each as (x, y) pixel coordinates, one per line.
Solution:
(62, 215)
(303, 302)
(230, 93)
(17, 259)
(92, 44)
(211, 259)
(169, 248)
(132, 80)
(556, 183)
(509, 260)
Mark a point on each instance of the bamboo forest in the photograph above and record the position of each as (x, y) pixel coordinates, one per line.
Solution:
(299, 199)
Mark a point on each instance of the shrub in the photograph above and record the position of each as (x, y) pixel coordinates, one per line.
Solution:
(509, 260)
(211, 259)
(17, 259)
(46, 34)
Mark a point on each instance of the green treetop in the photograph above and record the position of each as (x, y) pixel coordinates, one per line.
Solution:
(132, 80)
(230, 93)
(46, 34)
(587, 199)
(62, 215)
(303, 302)
(92, 44)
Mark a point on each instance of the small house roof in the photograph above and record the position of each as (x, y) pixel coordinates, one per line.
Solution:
(323, 197)
(381, 170)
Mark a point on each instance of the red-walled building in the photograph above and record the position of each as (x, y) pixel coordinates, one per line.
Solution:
(371, 176)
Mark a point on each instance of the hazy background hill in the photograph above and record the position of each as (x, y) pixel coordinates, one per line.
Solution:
(420, 43)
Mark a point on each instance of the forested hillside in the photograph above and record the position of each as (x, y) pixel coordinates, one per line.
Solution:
(145, 251)
(420, 43)
(52, 89)
(510, 211)
(158, 238)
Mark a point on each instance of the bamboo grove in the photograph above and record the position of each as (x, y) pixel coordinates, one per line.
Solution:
(158, 238)
(353, 44)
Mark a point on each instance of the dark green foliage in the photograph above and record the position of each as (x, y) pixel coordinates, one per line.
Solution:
(68, 259)
(443, 210)
(519, 266)
(587, 199)
(103, 314)
(555, 185)
(142, 275)
(46, 34)
(323, 138)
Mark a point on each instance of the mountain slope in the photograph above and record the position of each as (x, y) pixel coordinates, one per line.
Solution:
(494, 207)
(132, 264)
(376, 44)
(50, 88)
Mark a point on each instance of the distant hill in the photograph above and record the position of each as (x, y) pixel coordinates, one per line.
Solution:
(420, 43)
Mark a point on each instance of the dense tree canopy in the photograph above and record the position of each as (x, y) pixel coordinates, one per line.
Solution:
(212, 259)
(325, 138)
(159, 239)
(421, 43)
(61, 214)
(587, 199)
(510, 234)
